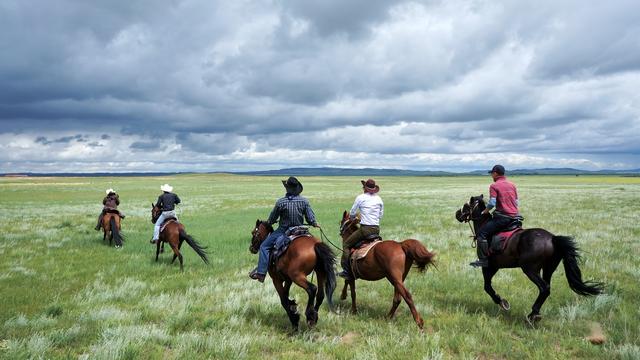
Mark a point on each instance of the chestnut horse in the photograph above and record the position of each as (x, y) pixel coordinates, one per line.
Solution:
(111, 227)
(174, 234)
(304, 255)
(391, 260)
(531, 250)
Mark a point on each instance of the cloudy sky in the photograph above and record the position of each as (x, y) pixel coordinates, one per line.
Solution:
(201, 85)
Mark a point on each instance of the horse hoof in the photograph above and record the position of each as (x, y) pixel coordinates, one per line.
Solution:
(504, 305)
(533, 319)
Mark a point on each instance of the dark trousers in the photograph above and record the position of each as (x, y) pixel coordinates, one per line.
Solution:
(491, 227)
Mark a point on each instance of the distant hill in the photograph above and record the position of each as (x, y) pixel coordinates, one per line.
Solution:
(368, 172)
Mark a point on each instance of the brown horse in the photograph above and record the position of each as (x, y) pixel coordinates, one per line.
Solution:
(174, 234)
(532, 250)
(304, 255)
(391, 260)
(111, 227)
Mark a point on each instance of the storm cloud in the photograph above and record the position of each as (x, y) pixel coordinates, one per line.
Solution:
(209, 85)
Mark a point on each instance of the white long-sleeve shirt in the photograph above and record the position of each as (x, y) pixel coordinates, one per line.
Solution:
(371, 209)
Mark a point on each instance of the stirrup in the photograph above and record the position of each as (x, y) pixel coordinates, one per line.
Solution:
(480, 263)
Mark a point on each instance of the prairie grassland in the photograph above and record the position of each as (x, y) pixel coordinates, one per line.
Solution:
(65, 294)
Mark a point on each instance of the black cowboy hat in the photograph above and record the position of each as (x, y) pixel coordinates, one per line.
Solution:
(370, 186)
(292, 185)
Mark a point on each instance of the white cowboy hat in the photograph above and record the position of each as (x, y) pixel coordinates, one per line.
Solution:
(166, 187)
(109, 191)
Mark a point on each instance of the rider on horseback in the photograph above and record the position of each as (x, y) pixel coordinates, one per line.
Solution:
(167, 202)
(292, 209)
(504, 197)
(371, 210)
(110, 202)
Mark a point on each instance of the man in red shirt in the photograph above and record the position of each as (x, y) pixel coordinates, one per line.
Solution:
(504, 197)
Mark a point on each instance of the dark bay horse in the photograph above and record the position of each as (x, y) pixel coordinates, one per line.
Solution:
(532, 250)
(304, 255)
(111, 227)
(391, 260)
(174, 234)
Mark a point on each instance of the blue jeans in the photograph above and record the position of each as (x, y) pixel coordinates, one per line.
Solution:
(164, 215)
(265, 248)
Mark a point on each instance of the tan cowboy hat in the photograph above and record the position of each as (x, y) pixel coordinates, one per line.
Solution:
(370, 186)
(166, 187)
(109, 191)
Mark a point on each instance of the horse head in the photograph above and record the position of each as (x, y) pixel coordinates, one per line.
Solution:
(259, 233)
(155, 213)
(348, 225)
(472, 210)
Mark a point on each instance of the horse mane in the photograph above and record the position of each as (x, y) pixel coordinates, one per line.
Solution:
(267, 225)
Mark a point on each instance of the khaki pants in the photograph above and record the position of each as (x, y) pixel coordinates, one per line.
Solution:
(360, 234)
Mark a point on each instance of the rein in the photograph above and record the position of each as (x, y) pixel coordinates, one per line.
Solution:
(324, 236)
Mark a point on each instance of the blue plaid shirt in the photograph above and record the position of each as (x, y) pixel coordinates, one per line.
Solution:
(291, 210)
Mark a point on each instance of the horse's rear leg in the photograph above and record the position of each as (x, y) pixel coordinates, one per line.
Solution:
(487, 274)
(174, 255)
(394, 304)
(158, 249)
(312, 314)
(176, 252)
(406, 295)
(544, 291)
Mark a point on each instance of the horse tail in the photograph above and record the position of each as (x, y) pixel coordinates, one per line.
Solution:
(566, 247)
(418, 253)
(326, 262)
(199, 249)
(117, 236)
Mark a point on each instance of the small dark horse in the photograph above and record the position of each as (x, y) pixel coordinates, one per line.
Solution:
(111, 227)
(304, 255)
(391, 260)
(531, 250)
(174, 234)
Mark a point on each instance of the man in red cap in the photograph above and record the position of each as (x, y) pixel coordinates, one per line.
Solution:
(371, 209)
(503, 195)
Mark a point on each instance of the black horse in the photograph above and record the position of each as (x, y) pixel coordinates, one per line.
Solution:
(531, 250)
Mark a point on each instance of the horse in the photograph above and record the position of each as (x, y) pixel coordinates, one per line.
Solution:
(391, 260)
(304, 255)
(111, 227)
(531, 250)
(174, 234)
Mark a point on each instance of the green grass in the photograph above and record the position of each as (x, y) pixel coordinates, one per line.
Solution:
(65, 294)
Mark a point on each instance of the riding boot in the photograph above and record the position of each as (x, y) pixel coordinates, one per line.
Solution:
(346, 270)
(482, 249)
(99, 225)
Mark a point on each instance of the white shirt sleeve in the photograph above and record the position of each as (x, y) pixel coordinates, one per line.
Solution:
(355, 207)
(381, 208)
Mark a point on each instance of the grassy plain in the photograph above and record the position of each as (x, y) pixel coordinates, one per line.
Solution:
(65, 294)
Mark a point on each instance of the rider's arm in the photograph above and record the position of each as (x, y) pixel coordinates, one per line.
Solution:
(117, 200)
(273, 217)
(177, 199)
(159, 202)
(310, 215)
(381, 209)
(354, 208)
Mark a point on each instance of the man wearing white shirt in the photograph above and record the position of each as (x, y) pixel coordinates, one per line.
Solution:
(371, 209)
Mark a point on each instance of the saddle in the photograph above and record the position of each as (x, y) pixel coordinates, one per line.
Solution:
(113, 211)
(168, 221)
(285, 240)
(362, 250)
(500, 240)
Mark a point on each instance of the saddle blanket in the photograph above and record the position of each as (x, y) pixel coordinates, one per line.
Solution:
(359, 253)
(282, 243)
(500, 240)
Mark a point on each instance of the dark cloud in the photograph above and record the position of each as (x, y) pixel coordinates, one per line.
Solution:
(198, 81)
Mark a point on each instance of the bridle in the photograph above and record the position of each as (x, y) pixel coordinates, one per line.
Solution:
(468, 218)
(255, 236)
(345, 225)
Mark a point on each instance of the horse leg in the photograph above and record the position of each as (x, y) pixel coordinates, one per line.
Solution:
(290, 306)
(406, 295)
(488, 273)
(174, 255)
(394, 304)
(176, 252)
(312, 315)
(352, 286)
(343, 294)
(158, 249)
(544, 291)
